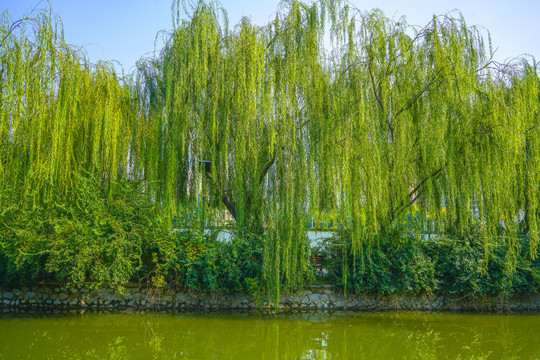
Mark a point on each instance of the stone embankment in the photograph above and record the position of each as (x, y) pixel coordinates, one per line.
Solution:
(320, 298)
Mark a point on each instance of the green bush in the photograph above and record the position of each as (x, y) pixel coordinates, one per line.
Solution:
(93, 240)
(107, 236)
(455, 265)
(382, 267)
(462, 267)
(199, 262)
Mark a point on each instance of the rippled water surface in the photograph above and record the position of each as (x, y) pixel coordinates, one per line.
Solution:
(385, 335)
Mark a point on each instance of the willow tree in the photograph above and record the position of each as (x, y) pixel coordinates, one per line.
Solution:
(68, 205)
(424, 116)
(279, 127)
(235, 101)
(60, 116)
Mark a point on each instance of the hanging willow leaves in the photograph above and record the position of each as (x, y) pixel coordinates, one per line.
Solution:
(236, 101)
(60, 115)
(424, 117)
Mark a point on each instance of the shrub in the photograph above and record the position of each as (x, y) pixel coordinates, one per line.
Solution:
(197, 261)
(456, 265)
(94, 239)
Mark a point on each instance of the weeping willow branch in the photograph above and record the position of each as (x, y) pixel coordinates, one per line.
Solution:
(416, 192)
(12, 28)
(419, 94)
(376, 89)
(267, 167)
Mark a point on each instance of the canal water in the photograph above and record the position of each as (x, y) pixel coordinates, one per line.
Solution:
(338, 335)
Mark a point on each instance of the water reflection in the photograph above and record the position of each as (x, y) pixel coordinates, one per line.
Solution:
(388, 335)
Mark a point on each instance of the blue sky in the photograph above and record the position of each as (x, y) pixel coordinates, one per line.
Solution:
(125, 30)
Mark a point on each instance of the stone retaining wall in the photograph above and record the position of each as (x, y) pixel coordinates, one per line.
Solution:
(138, 298)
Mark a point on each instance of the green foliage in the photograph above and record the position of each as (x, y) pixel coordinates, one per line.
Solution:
(462, 268)
(111, 236)
(382, 267)
(393, 115)
(95, 241)
(60, 115)
(455, 266)
(198, 262)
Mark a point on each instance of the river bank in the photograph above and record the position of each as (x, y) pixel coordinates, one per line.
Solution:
(314, 298)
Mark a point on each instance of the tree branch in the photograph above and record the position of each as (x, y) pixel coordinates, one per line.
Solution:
(420, 93)
(229, 204)
(12, 28)
(405, 204)
(433, 174)
(225, 198)
(267, 167)
(375, 91)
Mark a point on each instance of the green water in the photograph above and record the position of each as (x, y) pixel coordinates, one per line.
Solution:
(385, 335)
